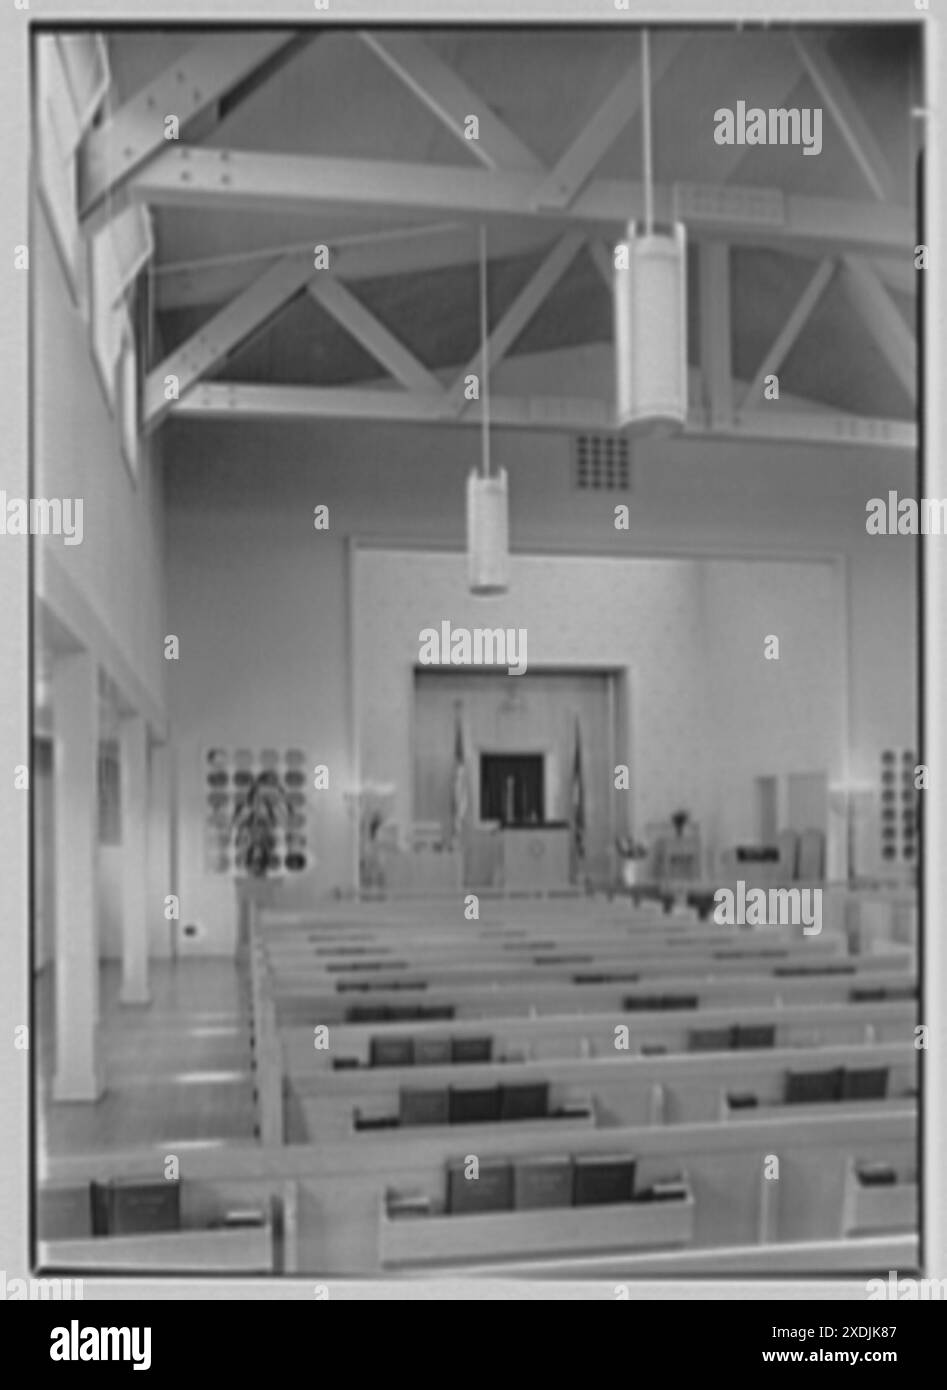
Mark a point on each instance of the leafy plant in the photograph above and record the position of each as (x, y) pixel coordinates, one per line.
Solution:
(260, 812)
(630, 849)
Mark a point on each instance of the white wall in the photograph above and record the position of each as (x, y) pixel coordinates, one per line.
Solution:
(765, 716)
(107, 593)
(707, 712)
(256, 597)
(577, 612)
(112, 585)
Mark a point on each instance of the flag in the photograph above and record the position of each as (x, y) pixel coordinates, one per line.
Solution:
(460, 796)
(578, 798)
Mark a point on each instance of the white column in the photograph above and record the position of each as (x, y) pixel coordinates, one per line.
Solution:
(133, 764)
(75, 725)
(160, 876)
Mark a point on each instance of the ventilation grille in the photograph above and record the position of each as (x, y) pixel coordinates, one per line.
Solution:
(899, 803)
(602, 463)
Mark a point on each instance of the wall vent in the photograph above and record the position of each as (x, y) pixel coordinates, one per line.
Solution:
(602, 463)
(899, 806)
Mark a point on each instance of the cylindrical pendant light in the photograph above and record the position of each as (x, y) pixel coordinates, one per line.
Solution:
(488, 545)
(650, 298)
(488, 562)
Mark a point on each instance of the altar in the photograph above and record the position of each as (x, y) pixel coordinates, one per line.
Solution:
(535, 858)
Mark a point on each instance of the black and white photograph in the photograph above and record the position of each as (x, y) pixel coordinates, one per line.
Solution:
(474, 768)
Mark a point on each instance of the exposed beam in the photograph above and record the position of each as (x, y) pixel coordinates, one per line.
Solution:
(579, 161)
(328, 291)
(603, 258)
(714, 325)
(235, 400)
(831, 427)
(212, 66)
(884, 321)
(212, 399)
(274, 183)
(505, 332)
(855, 130)
(212, 343)
(259, 76)
(789, 333)
(451, 100)
(361, 256)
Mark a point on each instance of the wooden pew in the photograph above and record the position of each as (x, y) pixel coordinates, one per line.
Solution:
(874, 1208)
(295, 1002)
(427, 1241)
(577, 1035)
(201, 1245)
(670, 947)
(662, 1102)
(265, 1052)
(634, 973)
(444, 963)
(269, 1068)
(601, 939)
(427, 920)
(626, 1089)
(813, 1259)
(352, 920)
(738, 1221)
(478, 937)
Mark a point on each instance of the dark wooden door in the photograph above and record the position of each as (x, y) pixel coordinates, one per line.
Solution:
(511, 788)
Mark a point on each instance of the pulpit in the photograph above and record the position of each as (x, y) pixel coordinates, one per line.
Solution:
(677, 857)
(536, 858)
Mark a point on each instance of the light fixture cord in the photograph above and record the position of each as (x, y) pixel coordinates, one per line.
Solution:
(646, 131)
(484, 365)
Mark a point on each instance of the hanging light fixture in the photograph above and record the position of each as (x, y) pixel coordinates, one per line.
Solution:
(650, 296)
(488, 545)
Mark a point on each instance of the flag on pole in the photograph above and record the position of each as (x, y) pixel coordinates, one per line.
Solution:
(578, 797)
(460, 794)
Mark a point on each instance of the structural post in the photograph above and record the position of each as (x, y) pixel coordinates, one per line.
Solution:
(75, 714)
(133, 763)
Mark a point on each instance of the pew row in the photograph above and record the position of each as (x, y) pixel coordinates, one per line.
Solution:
(421, 917)
(204, 1242)
(338, 956)
(551, 1036)
(427, 1241)
(742, 1220)
(295, 1002)
(581, 968)
(813, 1259)
(625, 1089)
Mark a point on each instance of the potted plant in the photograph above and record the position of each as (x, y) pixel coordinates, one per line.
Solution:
(260, 812)
(631, 853)
(371, 805)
